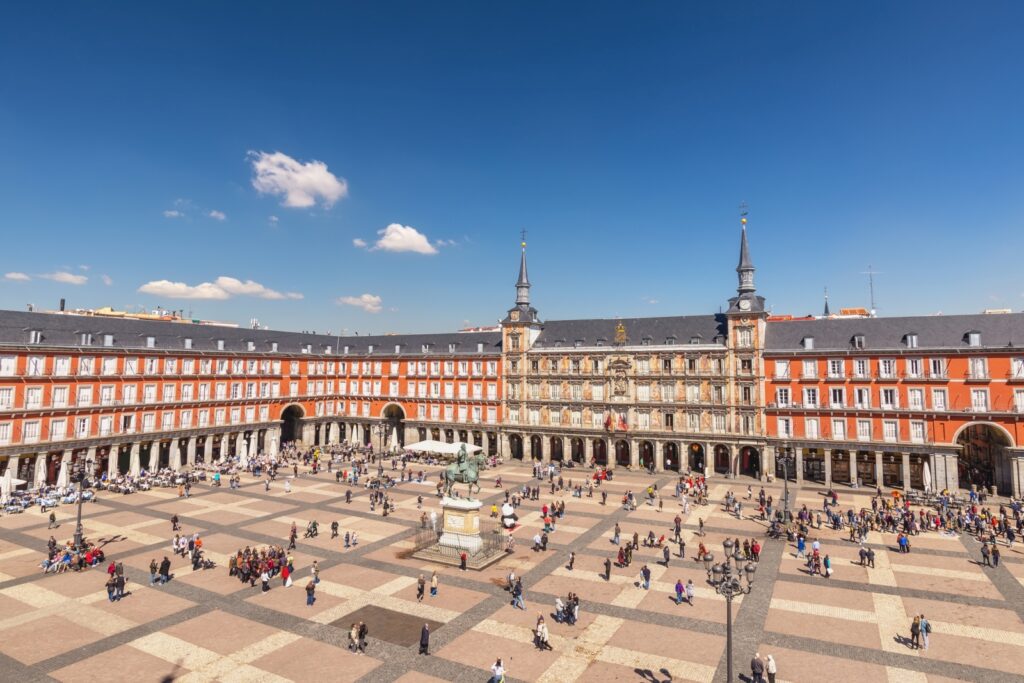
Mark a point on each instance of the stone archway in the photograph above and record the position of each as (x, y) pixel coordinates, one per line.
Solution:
(576, 450)
(750, 462)
(556, 449)
(622, 457)
(537, 448)
(600, 452)
(695, 458)
(722, 464)
(515, 446)
(394, 417)
(647, 455)
(670, 456)
(983, 460)
(291, 423)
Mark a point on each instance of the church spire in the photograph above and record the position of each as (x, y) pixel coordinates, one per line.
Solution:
(523, 283)
(827, 313)
(745, 269)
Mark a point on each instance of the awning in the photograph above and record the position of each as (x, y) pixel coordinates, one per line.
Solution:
(431, 446)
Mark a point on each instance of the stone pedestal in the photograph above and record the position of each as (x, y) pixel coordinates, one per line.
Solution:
(461, 524)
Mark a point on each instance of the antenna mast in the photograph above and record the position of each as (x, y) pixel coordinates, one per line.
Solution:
(871, 273)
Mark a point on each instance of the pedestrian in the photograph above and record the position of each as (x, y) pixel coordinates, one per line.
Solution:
(995, 555)
(572, 559)
(425, 640)
(915, 633)
(542, 636)
(174, 523)
(985, 555)
(421, 584)
(119, 583)
(165, 570)
(666, 553)
(152, 571)
(680, 589)
(111, 587)
(334, 529)
(689, 591)
(265, 580)
(363, 631)
(682, 549)
(315, 570)
(517, 595)
(615, 535)
(771, 668)
(497, 672)
(53, 521)
(926, 629)
(645, 577)
(607, 569)
(310, 593)
(700, 523)
(433, 584)
(757, 668)
(462, 560)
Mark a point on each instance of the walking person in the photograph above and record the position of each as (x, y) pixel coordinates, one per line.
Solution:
(689, 591)
(607, 569)
(572, 560)
(433, 584)
(425, 640)
(363, 631)
(541, 635)
(53, 520)
(645, 577)
(680, 589)
(926, 629)
(421, 584)
(498, 672)
(310, 593)
(915, 633)
(985, 555)
(174, 523)
(771, 668)
(165, 570)
(757, 668)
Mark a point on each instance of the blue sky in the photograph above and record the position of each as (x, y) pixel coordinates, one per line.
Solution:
(623, 138)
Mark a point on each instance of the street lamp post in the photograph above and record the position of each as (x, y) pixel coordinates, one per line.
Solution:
(80, 480)
(729, 585)
(786, 453)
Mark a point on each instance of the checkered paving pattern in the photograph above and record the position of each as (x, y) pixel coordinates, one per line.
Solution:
(206, 626)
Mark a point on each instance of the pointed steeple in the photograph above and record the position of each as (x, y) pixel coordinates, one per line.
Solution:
(523, 283)
(827, 313)
(745, 269)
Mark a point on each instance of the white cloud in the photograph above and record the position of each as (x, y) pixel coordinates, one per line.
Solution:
(223, 287)
(173, 213)
(17, 277)
(358, 242)
(300, 184)
(397, 237)
(107, 280)
(650, 300)
(273, 220)
(370, 303)
(65, 277)
(445, 243)
(83, 267)
(217, 215)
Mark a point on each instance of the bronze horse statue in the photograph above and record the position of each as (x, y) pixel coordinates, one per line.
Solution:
(465, 470)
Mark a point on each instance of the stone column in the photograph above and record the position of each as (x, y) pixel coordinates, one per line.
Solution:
(634, 454)
(115, 456)
(853, 467)
(89, 455)
(190, 451)
(709, 462)
(207, 449)
(588, 450)
(659, 456)
(828, 467)
(905, 458)
(12, 465)
(879, 469)
(799, 465)
(1016, 472)
(134, 464)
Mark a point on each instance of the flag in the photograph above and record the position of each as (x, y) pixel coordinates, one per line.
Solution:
(622, 423)
(608, 422)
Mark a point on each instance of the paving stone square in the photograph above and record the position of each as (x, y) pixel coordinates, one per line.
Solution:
(206, 625)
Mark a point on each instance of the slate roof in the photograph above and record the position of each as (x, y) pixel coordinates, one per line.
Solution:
(934, 332)
(601, 331)
(66, 330)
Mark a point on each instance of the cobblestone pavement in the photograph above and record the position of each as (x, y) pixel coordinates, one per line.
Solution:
(206, 626)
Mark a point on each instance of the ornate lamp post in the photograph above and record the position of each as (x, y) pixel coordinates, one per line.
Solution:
(79, 478)
(787, 457)
(728, 582)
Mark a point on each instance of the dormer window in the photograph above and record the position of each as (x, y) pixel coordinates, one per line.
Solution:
(150, 342)
(35, 336)
(398, 348)
(479, 347)
(974, 338)
(695, 340)
(345, 350)
(188, 342)
(911, 341)
(250, 346)
(451, 348)
(369, 349)
(86, 339)
(220, 344)
(327, 349)
(857, 341)
(306, 348)
(273, 347)
(669, 341)
(425, 348)
(108, 340)
(577, 344)
(600, 342)
(646, 341)
(807, 342)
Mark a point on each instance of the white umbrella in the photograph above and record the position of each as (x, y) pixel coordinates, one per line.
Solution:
(926, 475)
(6, 486)
(135, 465)
(62, 476)
(393, 440)
(40, 471)
(243, 453)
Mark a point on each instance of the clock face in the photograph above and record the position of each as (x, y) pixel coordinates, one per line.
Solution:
(514, 316)
(744, 305)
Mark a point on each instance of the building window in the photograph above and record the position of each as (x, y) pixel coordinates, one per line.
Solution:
(835, 367)
(915, 397)
(861, 368)
(837, 397)
(887, 368)
(838, 429)
(1017, 368)
(889, 398)
(1018, 400)
(977, 368)
(979, 400)
(864, 430)
(974, 338)
(781, 369)
(810, 369)
(150, 342)
(862, 398)
(220, 344)
(914, 367)
(890, 430)
(807, 343)
(782, 397)
(745, 337)
(811, 397)
(911, 341)
(937, 367)
(811, 427)
(785, 427)
(858, 341)
(938, 399)
(35, 337)
(917, 431)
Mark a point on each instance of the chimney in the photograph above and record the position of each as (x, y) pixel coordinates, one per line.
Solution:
(62, 305)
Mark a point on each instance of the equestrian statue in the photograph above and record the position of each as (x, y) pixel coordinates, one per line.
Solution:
(465, 470)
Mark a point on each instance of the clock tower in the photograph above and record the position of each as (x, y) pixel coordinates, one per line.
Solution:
(519, 330)
(747, 301)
